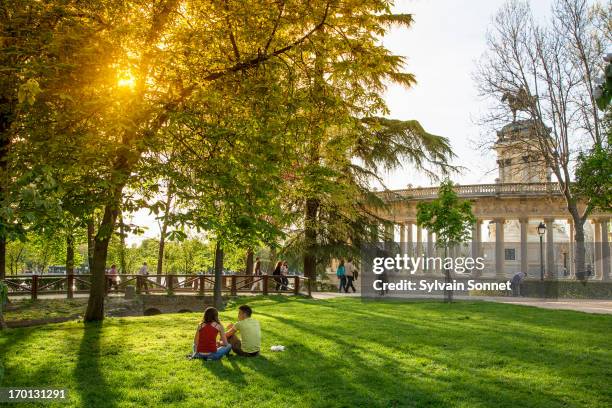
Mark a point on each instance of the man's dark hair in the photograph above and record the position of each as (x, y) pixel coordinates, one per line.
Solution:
(246, 309)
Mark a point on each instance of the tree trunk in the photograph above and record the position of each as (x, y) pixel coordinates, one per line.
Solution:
(579, 246)
(217, 298)
(69, 254)
(2, 257)
(310, 232)
(90, 243)
(579, 251)
(249, 265)
(95, 306)
(448, 293)
(122, 262)
(164, 230)
(249, 262)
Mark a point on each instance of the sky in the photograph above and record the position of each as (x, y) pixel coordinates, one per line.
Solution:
(441, 48)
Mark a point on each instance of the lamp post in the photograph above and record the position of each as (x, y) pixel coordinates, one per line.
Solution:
(541, 231)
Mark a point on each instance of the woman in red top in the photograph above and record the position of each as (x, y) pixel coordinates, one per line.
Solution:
(205, 343)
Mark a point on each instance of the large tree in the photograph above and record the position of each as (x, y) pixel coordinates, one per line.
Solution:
(547, 74)
(344, 143)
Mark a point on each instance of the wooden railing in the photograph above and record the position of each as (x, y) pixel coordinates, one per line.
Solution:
(476, 190)
(35, 285)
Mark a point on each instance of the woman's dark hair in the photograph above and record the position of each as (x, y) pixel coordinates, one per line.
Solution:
(278, 268)
(211, 315)
(246, 309)
(342, 262)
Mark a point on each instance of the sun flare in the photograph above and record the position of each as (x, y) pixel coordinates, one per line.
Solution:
(126, 81)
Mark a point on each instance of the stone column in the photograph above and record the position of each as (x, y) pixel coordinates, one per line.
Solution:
(524, 251)
(402, 239)
(605, 250)
(597, 269)
(476, 243)
(499, 247)
(430, 247)
(419, 244)
(409, 240)
(570, 250)
(550, 248)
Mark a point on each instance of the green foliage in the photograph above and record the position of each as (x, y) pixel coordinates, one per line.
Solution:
(594, 177)
(448, 217)
(36, 253)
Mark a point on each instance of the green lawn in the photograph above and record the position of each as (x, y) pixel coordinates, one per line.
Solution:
(340, 353)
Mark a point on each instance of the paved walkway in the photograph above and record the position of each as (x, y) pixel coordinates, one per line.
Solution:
(578, 305)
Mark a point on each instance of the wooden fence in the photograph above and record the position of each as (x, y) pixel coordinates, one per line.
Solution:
(35, 285)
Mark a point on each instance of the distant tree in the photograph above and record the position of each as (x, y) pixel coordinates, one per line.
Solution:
(450, 219)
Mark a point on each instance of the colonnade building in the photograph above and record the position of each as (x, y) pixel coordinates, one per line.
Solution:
(508, 213)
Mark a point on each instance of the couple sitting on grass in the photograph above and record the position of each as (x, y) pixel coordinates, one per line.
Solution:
(213, 342)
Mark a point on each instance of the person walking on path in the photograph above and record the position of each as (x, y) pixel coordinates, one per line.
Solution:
(284, 273)
(112, 278)
(341, 274)
(277, 275)
(258, 281)
(144, 272)
(350, 275)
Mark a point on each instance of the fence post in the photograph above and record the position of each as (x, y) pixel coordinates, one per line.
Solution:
(201, 285)
(138, 284)
(233, 287)
(309, 284)
(70, 283)
(296, 285)
(34, 293)
(265, 284)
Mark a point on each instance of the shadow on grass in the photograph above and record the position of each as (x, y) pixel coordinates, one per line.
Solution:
(500, 377)
(91, 382)
(232, 373)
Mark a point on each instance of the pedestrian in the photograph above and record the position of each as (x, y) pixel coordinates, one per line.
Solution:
(112, 277)
(277, 275)
(515, 283)
(350, 275)
(144, 272)
(284, 273)
(341, 274)
(258, 280)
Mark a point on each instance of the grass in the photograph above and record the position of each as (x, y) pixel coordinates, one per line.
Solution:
(26, 309)
(340, 353)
